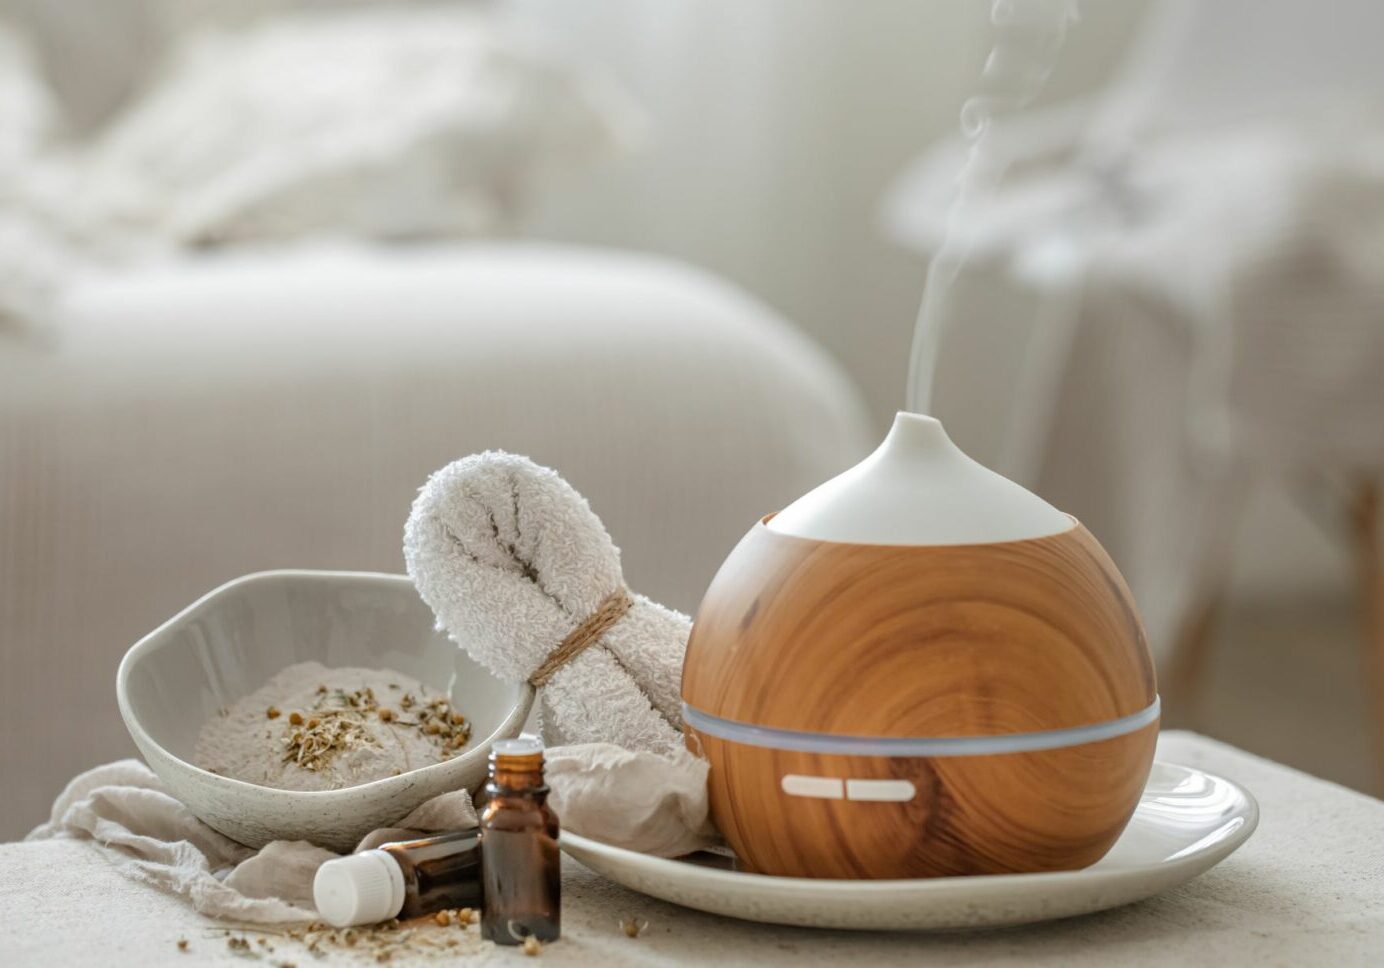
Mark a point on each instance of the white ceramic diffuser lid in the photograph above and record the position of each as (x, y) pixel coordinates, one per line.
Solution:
(918, 488)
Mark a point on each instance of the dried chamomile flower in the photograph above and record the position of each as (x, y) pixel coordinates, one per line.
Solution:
(632, 926)
(272, 712)
(532, 946)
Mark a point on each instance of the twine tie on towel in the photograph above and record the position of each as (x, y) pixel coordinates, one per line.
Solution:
(612, 608)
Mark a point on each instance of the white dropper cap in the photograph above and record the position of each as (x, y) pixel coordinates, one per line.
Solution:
(364, 888)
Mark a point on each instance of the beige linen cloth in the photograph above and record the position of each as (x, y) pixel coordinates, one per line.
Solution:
(643, 801)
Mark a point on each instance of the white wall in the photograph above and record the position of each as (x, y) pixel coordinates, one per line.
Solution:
(777, 124)
(776, 127)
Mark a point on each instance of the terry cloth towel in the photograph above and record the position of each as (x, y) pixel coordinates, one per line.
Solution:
(512, 560)
(641, 801)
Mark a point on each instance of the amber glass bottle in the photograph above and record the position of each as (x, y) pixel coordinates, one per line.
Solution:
(404, 879)
(439, 872)
(520, 870)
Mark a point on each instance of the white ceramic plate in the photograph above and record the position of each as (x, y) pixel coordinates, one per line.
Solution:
(1186, 822)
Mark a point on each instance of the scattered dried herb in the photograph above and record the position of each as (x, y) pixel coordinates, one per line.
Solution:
(338, 727)
(632, 926)
(312, 747)
(425, 938)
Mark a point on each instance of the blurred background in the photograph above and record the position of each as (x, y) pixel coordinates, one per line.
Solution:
(264, 264)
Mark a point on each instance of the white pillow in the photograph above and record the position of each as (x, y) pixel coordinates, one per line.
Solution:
(34, 257)
(28, 115)
(386, 123)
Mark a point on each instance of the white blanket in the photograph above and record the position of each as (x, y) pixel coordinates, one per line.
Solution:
(415, 122)
(1208, 308)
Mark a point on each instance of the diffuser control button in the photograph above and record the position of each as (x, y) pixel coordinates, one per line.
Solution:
(821, 787)
(893, 790)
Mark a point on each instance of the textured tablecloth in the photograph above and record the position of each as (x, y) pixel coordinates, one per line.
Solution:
(1307, 889)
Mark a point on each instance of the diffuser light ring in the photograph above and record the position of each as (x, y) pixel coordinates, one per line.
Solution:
(932, 746)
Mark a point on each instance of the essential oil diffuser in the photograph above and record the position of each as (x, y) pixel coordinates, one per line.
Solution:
(920, 669)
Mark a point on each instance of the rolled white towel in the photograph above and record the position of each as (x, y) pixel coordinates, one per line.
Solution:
(513, 561)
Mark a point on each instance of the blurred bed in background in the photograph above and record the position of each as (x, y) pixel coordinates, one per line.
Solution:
(267, 262)
(361, 122)
(254, 301)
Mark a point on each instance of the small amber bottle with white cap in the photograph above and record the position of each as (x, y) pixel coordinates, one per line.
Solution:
(520, 862)
(406, 879)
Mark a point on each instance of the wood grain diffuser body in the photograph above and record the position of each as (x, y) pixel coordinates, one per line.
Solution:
(920, 669)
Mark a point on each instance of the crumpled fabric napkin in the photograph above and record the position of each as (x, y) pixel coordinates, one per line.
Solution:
(649, 802)
(639, 800)
(150, 836)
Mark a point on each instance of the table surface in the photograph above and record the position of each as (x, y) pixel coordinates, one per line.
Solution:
(1308, 888)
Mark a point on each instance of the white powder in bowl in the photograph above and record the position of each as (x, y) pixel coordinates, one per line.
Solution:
(315, 728)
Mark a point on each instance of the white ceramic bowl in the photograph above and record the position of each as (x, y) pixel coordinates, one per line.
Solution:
(231, 641)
